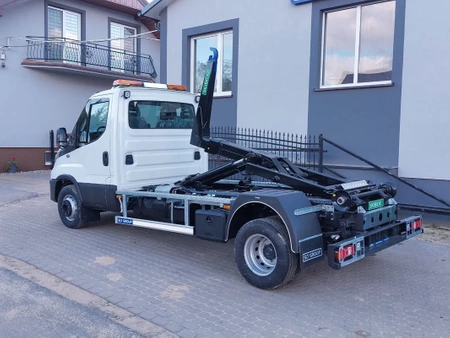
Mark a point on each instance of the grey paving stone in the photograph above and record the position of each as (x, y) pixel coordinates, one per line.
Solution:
(173, 327)
(115, 299)
(186, 334)
(190, 325)
(147, 315)
(158, 320)
(136, 310)
(193, 284)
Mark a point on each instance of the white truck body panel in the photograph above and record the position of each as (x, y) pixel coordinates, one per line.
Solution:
(159, 155)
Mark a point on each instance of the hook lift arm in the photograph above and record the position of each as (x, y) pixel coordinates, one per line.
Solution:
(278, 169)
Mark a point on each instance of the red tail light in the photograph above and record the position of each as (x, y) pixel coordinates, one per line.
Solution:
(343, 253)
(416, 225)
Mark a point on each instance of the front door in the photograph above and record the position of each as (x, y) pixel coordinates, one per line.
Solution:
(89, 163)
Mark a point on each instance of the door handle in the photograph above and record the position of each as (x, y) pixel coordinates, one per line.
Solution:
(129, 159)
(105, 158)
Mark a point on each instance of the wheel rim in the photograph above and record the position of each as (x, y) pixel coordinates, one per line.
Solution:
(260, 255)
(69, 207)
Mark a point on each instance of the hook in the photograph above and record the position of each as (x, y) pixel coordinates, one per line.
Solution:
(215, 54)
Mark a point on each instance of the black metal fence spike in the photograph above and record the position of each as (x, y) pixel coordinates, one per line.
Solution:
(303, 150)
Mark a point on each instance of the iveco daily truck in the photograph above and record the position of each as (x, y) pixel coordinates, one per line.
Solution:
(141, 150)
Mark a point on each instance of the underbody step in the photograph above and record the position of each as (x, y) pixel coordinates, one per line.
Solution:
(170, 227)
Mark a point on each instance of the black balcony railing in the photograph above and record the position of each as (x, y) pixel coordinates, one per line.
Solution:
(89, 55)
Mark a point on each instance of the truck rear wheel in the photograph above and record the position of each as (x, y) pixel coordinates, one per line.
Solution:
(72, 213)
(263, 254)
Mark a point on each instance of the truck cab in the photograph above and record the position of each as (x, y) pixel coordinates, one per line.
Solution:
(132, 135)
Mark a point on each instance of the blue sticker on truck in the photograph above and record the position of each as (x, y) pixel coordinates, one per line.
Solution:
(125, 220)
(307, 256)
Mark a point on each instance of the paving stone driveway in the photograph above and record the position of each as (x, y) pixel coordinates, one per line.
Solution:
(193, 287)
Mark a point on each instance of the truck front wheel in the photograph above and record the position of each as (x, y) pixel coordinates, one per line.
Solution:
(263, 254)
(72, 213)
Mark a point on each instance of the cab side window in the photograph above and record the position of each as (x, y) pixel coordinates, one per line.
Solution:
(160, 115)
(98, 119)
(92, 122)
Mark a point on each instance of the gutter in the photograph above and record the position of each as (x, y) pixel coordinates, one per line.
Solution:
(149, 7)
(154, 8)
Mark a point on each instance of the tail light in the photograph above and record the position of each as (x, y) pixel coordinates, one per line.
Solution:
(416, 225)
(342, 253)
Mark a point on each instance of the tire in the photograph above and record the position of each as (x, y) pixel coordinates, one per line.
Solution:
(277, 265)
(72, 213)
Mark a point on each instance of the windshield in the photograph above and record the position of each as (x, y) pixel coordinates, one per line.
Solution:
(160, 115)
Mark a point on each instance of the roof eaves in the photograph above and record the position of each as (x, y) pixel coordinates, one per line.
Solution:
(143, 3)
(154, 8)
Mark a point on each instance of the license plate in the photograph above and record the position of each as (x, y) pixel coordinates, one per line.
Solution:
(375, 204)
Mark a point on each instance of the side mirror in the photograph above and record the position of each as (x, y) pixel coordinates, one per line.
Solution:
(83, 138)
(61, 137)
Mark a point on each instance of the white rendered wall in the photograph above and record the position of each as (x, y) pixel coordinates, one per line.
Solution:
(425, 115)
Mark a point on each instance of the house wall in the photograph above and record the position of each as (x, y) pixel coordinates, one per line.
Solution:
(37, 101)
(425, 114)
(425, 118)
(273, 68)
(400, 126)
(364, 120)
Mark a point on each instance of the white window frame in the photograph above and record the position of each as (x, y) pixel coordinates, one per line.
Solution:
(65, 11)
(122, 46)
(122, 34)
(71, 43)
(357, 50)
(220, 35)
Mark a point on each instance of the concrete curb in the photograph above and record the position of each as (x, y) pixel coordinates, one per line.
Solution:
(83, 297)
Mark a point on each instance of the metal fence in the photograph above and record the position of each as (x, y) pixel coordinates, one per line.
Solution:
(303, 150)
(89, 55)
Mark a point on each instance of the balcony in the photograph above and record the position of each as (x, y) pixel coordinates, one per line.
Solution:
(73, 56)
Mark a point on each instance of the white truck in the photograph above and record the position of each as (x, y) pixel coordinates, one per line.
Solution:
(141, 150)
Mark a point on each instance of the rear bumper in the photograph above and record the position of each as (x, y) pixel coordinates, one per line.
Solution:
(374, 241)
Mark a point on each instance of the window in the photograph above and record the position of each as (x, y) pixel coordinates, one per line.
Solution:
(200, 51)
(358, 45)
(64, 26)
(160, 115)
(92, 122)
(123, 48)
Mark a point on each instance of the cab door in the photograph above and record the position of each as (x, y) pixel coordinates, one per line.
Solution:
(89, 161)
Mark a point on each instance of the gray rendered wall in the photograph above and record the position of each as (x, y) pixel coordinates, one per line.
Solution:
(273, 58)
(365, 120)
(35, 101)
